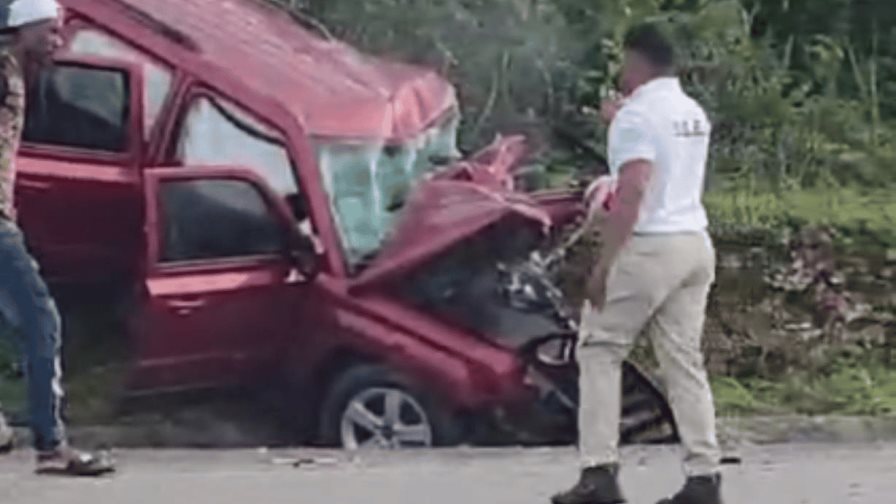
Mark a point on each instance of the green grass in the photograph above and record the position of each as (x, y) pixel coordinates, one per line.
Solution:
(845, 387)
(94, 367)
(864, 222)
(862, 218)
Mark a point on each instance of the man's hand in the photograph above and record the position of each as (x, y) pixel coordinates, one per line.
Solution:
(610, 107)
(598, 198)
(597, 286)
(599, 193)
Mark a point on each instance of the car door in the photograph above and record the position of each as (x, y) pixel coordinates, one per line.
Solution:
(221, 284)
(78, 183)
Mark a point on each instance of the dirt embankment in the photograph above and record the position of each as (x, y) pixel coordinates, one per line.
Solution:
(796, 305)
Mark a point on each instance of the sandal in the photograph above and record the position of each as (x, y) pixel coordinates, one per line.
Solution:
(7, 438)
(70, 462)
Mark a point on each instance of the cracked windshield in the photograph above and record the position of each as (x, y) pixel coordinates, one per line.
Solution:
(367, 183)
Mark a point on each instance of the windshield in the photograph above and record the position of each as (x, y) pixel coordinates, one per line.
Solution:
(367, 183)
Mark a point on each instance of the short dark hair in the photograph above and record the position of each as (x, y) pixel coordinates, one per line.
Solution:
(654, 43)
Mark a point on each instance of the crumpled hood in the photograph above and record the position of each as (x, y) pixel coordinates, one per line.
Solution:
(442, 212)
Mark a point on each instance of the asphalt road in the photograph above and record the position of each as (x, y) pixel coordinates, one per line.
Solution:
(786, 474)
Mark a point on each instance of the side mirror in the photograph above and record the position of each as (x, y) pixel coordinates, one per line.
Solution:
(298, 207)
(303, 250)
(303, 254)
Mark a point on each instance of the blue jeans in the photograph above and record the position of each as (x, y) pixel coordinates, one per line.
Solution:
(27, 303)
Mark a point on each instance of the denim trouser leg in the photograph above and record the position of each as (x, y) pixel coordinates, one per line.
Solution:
(37, 318)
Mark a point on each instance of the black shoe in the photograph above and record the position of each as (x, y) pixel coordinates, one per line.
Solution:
(597, 485)
(699, 490)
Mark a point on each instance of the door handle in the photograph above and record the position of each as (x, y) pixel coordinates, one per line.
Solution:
(186, 303)
(185, 306)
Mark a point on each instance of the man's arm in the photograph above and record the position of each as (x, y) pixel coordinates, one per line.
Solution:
(631, 152)
(634, 177)
(619, 224)
(9, 123)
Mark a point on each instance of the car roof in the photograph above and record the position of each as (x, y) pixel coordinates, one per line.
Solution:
(334, 89)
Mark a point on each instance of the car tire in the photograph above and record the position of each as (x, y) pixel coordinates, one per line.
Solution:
(647, 416)
(372, 386)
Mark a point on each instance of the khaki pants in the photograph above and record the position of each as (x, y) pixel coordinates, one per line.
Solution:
(659, 283)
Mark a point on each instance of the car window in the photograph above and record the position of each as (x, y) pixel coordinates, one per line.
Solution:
(158, 76)
(216, 219)
(367, 183)
(79, 106)
(217, 132)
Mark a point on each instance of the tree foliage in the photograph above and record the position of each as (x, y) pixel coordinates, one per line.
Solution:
(800, 91)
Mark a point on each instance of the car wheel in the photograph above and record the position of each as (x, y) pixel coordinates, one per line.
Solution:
(372, 407)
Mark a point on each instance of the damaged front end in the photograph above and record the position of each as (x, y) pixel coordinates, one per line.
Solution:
(500, 285)
(474, 253)
(487, 287)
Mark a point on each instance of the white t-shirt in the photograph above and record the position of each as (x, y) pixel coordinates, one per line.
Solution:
(661, 124)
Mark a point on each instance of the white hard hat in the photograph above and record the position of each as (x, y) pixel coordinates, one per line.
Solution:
(22, 12)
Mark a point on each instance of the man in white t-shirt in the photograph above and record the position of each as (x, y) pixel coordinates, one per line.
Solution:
(654, 273)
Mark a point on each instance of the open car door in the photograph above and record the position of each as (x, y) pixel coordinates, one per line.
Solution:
(224, 279)
(78, 182)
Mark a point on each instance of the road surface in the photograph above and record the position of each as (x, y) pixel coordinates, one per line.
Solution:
(787, 474)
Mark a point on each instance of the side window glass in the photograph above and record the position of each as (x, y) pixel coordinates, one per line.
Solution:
(216, 219)
(216, 132)
(158, 77)
(79, 106)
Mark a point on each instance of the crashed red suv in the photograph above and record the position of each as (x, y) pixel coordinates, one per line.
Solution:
(288, 208)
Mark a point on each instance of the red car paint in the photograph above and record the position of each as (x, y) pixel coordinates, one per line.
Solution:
(94, 217)
(449, 211)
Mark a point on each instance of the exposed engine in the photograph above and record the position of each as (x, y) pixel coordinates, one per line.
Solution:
(500, 285)
(494, 285)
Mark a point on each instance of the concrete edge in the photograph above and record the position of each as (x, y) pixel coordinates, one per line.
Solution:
(733, 432)
(804, 429)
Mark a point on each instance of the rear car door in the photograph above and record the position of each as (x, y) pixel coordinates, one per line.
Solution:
(221, 281)
(78, 184)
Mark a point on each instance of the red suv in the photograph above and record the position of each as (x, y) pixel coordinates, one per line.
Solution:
(288, 208)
